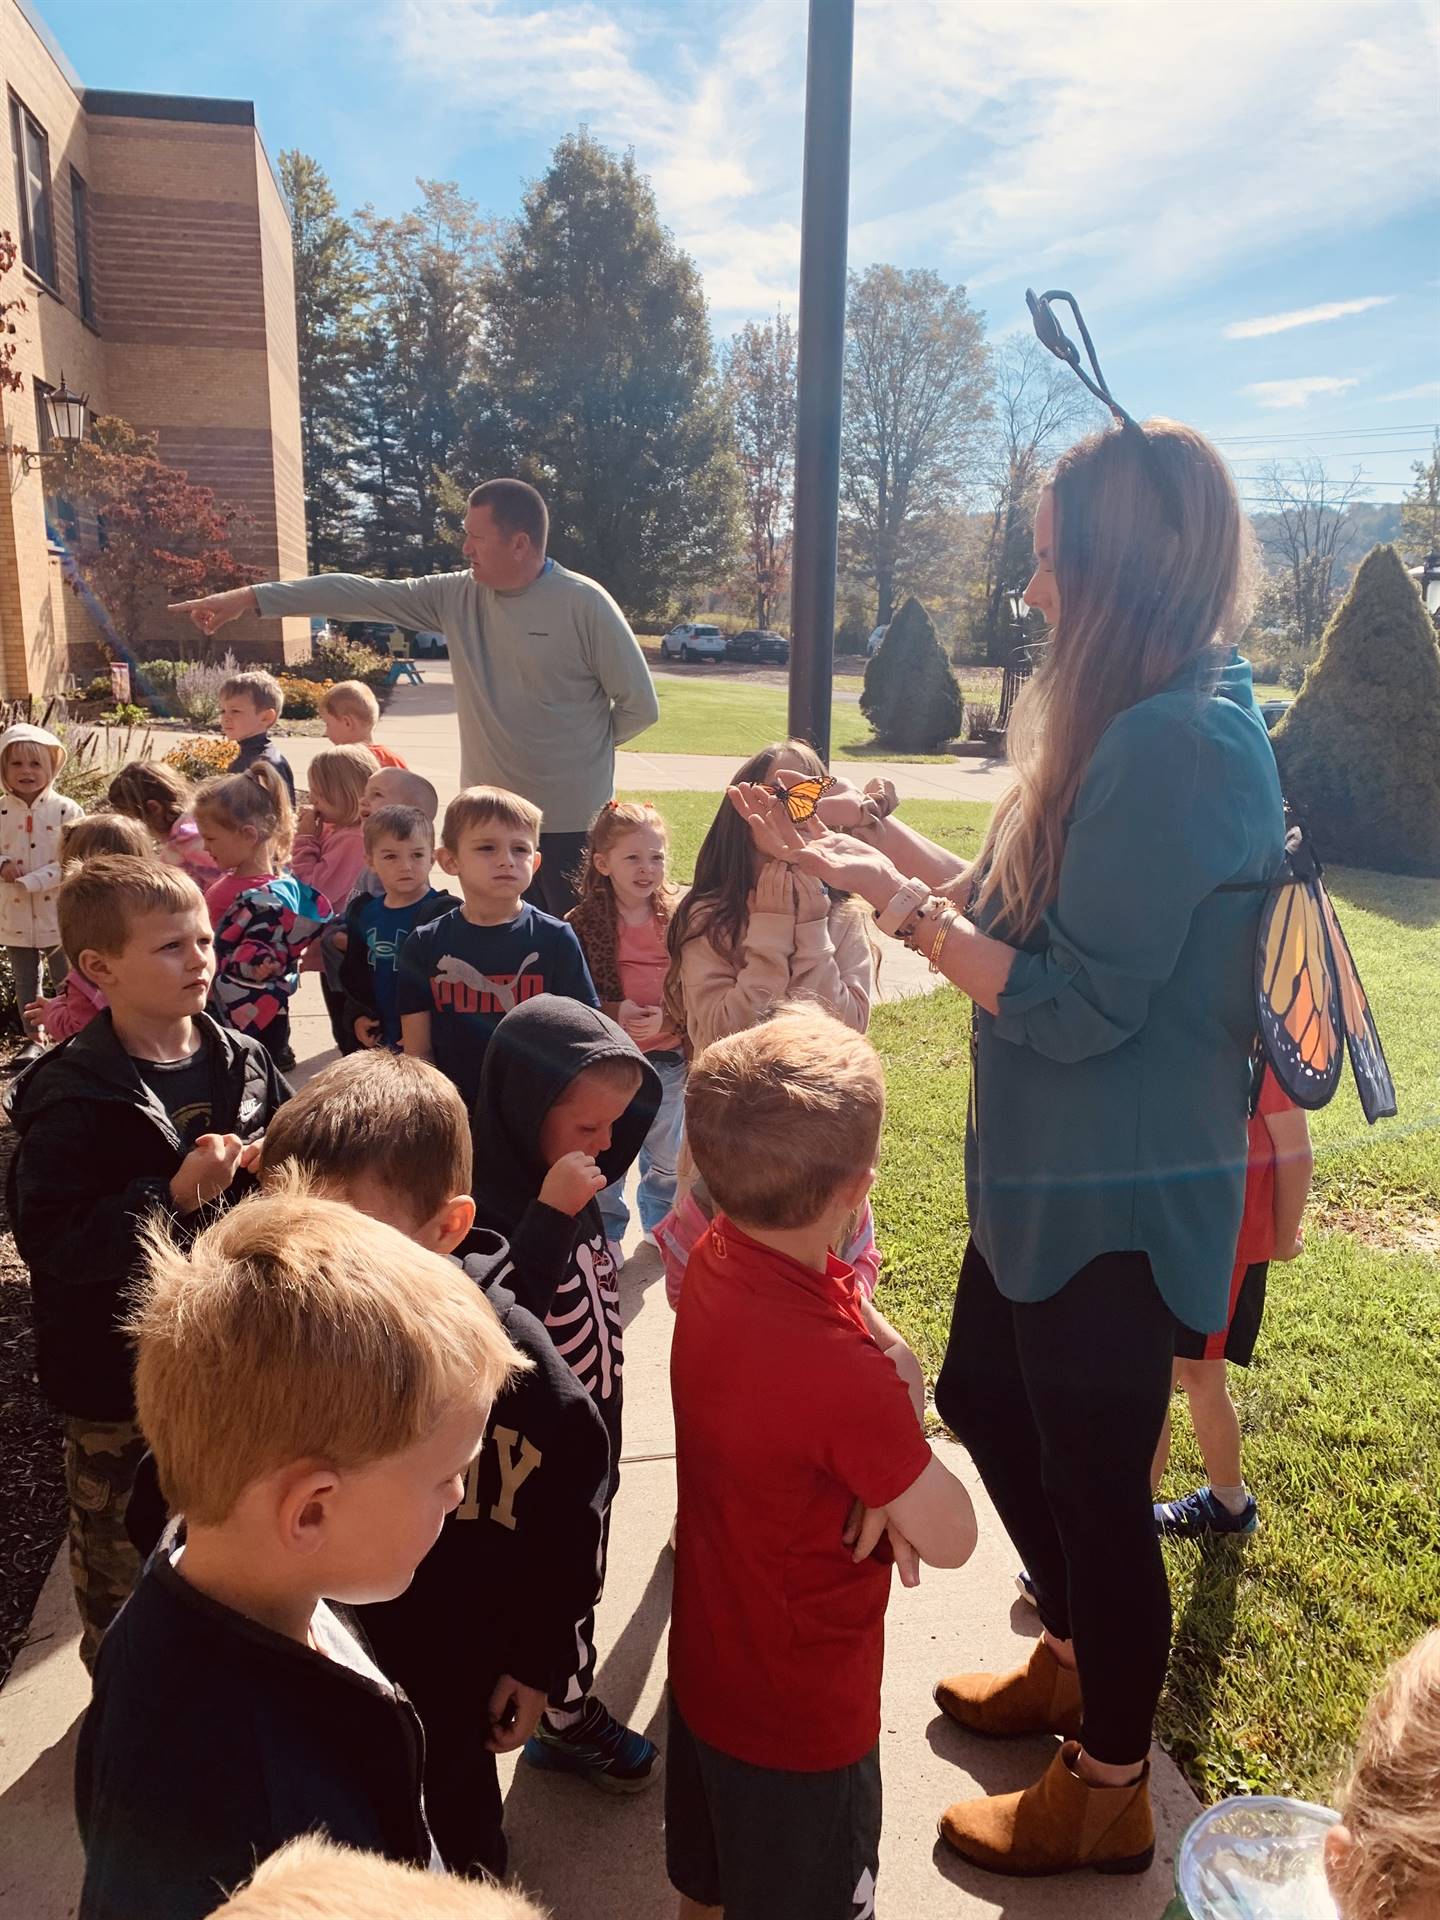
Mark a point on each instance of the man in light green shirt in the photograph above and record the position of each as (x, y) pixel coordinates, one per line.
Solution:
(549, 679)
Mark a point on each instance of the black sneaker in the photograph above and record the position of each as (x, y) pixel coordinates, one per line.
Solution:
(285, 1060)
(596, 1746)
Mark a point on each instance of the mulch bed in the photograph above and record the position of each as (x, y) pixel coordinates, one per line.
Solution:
(32, 1485)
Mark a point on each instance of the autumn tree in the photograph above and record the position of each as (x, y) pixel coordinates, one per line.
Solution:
(159, 537)
(759, 371)
(1040, 408)
(1302, 525)
(917, 381)
(1420, 509)
(598, 344)
(328, 332)
(417, 380)
(10, 304)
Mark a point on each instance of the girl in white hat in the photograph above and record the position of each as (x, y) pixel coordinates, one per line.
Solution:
(32, 818)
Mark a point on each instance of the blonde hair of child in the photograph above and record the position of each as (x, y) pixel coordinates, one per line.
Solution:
(143, 784)
(313, 1879)
(296, 1328)
(610, 826)
(101, 833)
(477, 805)
(351, 697)
(26, 750)
(257, 799)
(1391, 1805)
(337, 779)
(410, 790)
(101, 898)
(783, 1115)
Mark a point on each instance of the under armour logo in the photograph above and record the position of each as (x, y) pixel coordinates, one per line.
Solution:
(865, 1896)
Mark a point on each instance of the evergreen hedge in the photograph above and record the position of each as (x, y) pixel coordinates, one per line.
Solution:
(911, 698)
(1359, 750)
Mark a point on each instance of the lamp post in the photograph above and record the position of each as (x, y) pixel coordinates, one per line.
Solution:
(67, 417)
(825, 212)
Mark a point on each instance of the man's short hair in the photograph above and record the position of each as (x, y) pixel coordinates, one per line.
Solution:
(261, 689)
(294, 1329)
(351, 697)
(515, 507)
(99, 902)
(477, 805)
(397, 823)
(388, 1115)
(417, 790)
(781, 1117)
(313, 1879)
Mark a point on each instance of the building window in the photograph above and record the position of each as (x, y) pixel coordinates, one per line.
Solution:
(80, 211)
(32, 191)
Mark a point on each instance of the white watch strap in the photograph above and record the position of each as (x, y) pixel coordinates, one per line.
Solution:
(898, 909)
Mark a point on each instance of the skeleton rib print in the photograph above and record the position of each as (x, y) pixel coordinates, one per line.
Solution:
(584, 1322)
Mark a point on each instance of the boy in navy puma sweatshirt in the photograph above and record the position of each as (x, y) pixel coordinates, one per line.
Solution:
(486, 1630)
(566, 1100)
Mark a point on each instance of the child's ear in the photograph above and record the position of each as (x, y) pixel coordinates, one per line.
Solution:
(539, 857)
(448, 1226)
(304, 1500)
(1339, 1845)
(445, 860)
(855, 1194)
(96, 967)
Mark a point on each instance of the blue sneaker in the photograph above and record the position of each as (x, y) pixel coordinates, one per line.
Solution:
(1200, 1513)
(609, 1756)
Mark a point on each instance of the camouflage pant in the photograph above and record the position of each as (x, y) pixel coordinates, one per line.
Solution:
(100, 1462)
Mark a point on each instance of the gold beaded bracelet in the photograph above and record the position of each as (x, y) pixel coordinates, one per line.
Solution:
(947, 921)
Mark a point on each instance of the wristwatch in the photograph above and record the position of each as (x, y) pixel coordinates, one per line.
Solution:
(898, 909)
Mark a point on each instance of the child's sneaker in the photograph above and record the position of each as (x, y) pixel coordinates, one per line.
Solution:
(1200, 1513)
(610, 1756)
(1025, 1586)
(616, 1252)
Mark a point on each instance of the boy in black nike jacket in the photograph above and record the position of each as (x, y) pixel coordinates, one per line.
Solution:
(152, 1109)
(566, 1100)
(486, 1631)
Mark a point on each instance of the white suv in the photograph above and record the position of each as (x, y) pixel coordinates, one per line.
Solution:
(689, 642)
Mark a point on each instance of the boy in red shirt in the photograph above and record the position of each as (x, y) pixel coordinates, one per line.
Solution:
(799, 1448)
(1277, 1185)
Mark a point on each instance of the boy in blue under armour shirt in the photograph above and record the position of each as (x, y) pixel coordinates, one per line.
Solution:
(400, 851)
(461, 974)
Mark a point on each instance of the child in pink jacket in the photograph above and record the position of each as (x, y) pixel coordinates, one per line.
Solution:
(77, 1001)
(329, 849)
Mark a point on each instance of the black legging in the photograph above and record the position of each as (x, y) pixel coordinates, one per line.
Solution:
(1060, 1404)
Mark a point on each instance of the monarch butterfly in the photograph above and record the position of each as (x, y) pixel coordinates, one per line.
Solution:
(1309, 999)
(802, 799)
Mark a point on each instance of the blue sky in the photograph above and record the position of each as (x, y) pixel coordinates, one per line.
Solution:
(1245, 195)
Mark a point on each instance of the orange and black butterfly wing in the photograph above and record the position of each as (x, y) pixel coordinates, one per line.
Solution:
(1297, 997)
(1367, 1056)
(804, 796)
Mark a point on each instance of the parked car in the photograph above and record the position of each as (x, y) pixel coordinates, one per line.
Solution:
(689, 642)
(872, 645)
(758, 643)
(429, 646)
(1273, 711)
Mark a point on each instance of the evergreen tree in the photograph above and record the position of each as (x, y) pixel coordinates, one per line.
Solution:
(426, 274)
(328, 291)
(1420, 510)
(911, 697)
(1359, 751)
(599, 348)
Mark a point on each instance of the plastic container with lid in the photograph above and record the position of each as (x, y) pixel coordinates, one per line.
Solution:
(1255, 1857)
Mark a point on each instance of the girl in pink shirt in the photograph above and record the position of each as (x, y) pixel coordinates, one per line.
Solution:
(621, 923)
(159, 797)
(329, 849)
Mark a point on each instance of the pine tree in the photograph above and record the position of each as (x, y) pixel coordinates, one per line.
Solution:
(599, 346)
(328, 291)
(911, 698)
(1359, 751)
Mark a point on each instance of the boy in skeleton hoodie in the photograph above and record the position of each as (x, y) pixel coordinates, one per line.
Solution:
(566, 1100)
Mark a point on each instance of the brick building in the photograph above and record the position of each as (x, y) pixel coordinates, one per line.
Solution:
(157, 278)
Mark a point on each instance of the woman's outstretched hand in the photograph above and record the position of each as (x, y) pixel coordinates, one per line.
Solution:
(838, 859)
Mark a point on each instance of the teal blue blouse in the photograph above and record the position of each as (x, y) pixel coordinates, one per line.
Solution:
(1111, 1087)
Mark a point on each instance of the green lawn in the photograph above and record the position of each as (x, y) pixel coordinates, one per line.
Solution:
(737, 717)
(1278, 1642)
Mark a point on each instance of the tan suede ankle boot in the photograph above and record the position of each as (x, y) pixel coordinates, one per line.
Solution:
(1057, 1825)
(1040, 1697)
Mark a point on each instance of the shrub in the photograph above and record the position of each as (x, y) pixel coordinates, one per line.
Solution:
(980, 720)
(199, 759)
(197, 689)
(911, 698)
(334, 659)
(302, 695)
(1359, 750)
(853, 631)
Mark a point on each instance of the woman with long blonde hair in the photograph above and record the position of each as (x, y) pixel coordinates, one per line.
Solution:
(1106, 935)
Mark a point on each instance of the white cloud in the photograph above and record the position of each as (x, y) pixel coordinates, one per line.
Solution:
(1299, 392)
(1126, 147)
(1303, 317)
(1427, 390)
